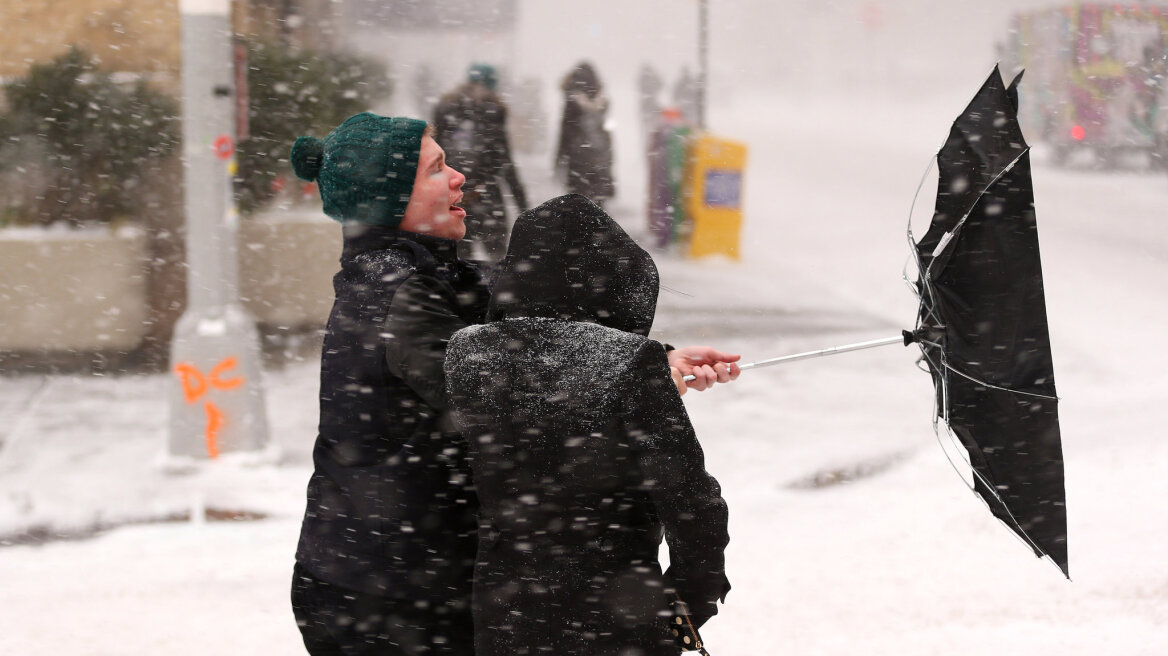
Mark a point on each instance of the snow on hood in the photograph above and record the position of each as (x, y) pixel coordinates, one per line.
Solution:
(567, 259)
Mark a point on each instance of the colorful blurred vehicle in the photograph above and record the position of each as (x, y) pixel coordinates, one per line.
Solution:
(1095, 81)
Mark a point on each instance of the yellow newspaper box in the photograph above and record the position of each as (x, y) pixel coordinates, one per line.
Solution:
(715, 196)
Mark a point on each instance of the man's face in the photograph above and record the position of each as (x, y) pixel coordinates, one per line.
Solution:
(432, 209)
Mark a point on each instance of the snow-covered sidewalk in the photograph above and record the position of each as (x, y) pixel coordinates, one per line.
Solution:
(850, 531)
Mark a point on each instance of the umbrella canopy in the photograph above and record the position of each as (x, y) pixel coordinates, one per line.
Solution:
(982, 323)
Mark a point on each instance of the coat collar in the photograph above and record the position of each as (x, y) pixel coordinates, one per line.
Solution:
(361, 238)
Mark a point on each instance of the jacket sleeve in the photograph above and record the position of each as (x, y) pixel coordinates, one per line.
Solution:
(687, 499)
(422, 317)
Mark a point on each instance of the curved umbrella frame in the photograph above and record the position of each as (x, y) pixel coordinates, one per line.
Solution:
(1038, 484)
(925, 294)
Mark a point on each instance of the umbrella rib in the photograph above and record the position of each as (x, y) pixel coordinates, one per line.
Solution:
(912, 208)
(920, 185)
(943, 415)
(960, 448)
(996, 387)
(1019, 533)
(916, 258)
(953, 233)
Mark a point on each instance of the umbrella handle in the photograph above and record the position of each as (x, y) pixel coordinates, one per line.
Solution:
(906, 338)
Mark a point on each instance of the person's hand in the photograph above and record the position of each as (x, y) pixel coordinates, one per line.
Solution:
(677, 380)
(706, 364)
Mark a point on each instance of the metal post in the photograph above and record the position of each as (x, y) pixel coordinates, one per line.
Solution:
(703, 58)
(216, 391)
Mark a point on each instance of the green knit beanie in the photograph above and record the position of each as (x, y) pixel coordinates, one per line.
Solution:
(483, 74)
(365, 168)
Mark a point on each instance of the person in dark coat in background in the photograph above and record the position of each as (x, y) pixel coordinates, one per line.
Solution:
(584, 154)
(470, 123)
(387, 545)
(649, 87)
(582, 453)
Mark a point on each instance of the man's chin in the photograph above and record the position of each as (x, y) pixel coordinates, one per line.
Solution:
(448, 231)
(450, 226)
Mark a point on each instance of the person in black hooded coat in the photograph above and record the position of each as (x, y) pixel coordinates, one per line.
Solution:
(582, 453)
(584, 152)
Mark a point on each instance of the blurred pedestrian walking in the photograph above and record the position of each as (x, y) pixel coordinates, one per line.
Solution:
(470, 123)
(649, 87)
(687, 96)
(584, 155)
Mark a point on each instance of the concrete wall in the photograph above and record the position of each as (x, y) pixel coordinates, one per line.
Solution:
(86, 291)
(286, 267)
(72, 290)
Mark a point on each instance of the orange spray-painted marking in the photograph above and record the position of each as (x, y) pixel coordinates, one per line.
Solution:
(230, 383)
(193, 383)
(195, 386)
(214, 423)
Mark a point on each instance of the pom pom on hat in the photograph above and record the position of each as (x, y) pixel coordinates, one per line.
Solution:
(306, 157)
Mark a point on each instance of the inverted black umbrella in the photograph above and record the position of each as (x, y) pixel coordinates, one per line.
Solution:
(982, 326)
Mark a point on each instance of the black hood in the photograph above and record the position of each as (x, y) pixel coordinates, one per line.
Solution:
(569, 260)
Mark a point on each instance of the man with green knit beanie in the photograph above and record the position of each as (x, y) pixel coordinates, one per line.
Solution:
(388, 541)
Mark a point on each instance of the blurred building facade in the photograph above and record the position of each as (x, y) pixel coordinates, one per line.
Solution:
(132, 36)
(134, 40)
(428, 44)
(141, 38)
(311, 24)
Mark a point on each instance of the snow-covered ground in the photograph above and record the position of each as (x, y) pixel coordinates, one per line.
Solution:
(901, 560)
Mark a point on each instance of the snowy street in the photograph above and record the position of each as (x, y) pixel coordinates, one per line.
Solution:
(902, 559)
(851, 533)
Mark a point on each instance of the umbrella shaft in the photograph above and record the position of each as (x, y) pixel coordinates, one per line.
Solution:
(818, 354)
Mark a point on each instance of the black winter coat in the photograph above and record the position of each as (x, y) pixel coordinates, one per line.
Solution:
(584, 154)
(582, 453)
(390, 506)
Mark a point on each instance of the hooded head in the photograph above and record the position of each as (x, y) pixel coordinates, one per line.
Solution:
(365, 168)
(583, 79)
(567, 259)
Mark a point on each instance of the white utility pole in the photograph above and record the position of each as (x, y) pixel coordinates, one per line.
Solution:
(216, 390)
(703, 59)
